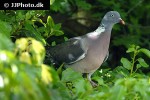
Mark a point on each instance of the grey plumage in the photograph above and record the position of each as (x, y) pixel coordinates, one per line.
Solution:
(72, 51)
(86, 53)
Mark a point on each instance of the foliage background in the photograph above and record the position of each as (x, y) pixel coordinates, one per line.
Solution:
(25, 70)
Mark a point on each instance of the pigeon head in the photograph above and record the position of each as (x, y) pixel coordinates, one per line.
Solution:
(111, 18)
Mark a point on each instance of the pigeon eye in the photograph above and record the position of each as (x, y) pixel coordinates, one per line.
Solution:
(112, 15)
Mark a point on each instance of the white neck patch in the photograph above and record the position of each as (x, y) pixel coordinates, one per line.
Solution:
(96, 33)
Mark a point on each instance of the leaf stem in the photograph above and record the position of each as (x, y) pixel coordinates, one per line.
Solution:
(133, 62)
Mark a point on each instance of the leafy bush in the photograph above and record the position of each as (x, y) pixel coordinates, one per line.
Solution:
(24, 76)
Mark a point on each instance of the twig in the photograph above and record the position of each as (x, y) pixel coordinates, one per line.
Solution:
(135, 6)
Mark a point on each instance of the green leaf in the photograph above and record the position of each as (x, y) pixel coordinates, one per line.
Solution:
(33, 32)
(126, 63)
(50, 22)
(122, 71)
(52, 28)
(28, 15)
(20, 15)
(82, 87)
(142, 62)
(59, 70)
(5, 28)
(65, 38)
(145, 51)
(70, 75)
(5, 43)
(52, 1)
(130, 50)
(57, 26)
(118, 92)
(138, 66)
(53, 43)
(57, 32)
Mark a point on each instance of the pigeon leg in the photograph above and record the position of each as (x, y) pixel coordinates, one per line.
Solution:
(89, 79)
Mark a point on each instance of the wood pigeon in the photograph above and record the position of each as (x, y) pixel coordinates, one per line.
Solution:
(86, 53)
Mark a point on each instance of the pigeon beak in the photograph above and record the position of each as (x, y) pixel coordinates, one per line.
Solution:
(121, 21)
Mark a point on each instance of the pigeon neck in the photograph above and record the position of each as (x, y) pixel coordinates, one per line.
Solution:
(100, 29)
(103, 28)
(107, 26)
